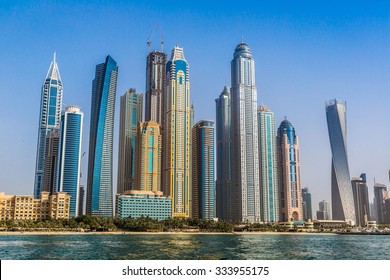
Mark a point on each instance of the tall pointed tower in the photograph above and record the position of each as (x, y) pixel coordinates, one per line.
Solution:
(49, 119)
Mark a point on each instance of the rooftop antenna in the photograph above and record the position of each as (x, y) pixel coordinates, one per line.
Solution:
(242, 38)
(54, 56)
(162, 40)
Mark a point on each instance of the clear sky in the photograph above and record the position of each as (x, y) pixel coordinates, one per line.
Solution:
(306, 52)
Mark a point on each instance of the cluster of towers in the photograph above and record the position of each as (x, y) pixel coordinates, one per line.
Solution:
(258, 168)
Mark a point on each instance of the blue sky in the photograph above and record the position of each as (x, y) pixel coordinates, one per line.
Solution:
(306, 52)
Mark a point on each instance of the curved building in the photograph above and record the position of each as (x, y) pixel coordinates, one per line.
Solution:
(289, 171)
(343, 207)
(100, 189)
(245, 189)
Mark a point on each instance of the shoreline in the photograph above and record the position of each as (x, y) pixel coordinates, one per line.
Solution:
(8, 233)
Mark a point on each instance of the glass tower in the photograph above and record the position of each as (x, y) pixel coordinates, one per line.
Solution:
(99, 189)
(245, 189)
(268, 171)
(176, 132)
(360, 197)
(130, 116)
(155, 81)
(70, 155)
(343, 207)
(289, 171)
(224, 178)
(49, 119)
(306, 204)
(203, 182)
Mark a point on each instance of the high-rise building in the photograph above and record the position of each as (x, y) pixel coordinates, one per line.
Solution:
(343, 207)
(306, 204)
(360, 197)
(203, 181)
(99, 186)
(81, 200)
(130, 116)
(324, 211)
(268, 171)
(289, 173)
(223, 183)
(50, 170)
(380, 195)
(148, 162)
(245, 188)
(49, 119)
(176, 132)
(155, 82)
(70, 155)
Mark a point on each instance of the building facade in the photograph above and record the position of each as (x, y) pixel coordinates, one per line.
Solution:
(69, 170)
(130, 116)
(203, 181)
(26, 207)
(50, 168)
(99, 185)
(155, 82)
(289, 173)
(269, 189)
(343, 207)
(148, 151)
(136, 204)
(324, 211)
(380, 196)
(49, 119)
(245, 188)
(176, 132)
(224, 178)
(306, 205)
(360, 197)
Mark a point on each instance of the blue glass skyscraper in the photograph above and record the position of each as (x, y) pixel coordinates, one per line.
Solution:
(49, 120)
(203, 183)
(268, 165)
(70, 155)
(100, 189)
(343, 207)
(223, 183)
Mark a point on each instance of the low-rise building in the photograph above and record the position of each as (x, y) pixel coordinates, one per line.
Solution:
(135, 204)
(26, 207)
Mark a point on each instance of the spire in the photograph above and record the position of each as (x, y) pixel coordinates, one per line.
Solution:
(53, 72)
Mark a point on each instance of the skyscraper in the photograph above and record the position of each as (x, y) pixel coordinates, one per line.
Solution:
(380, 196)
(50, 170)
(70, 155)
(99, 188)
(245, 189)
(155, 82)
(130, 116)
(289, 173)
(360, 197)
(223, 183)
(148, 162)
(176, 129)
(306, 204)
(268, 171)
(49, 119)
(343, 207)
(203, 183)
(324, 211)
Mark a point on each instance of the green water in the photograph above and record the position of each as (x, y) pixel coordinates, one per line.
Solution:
(194, 246)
